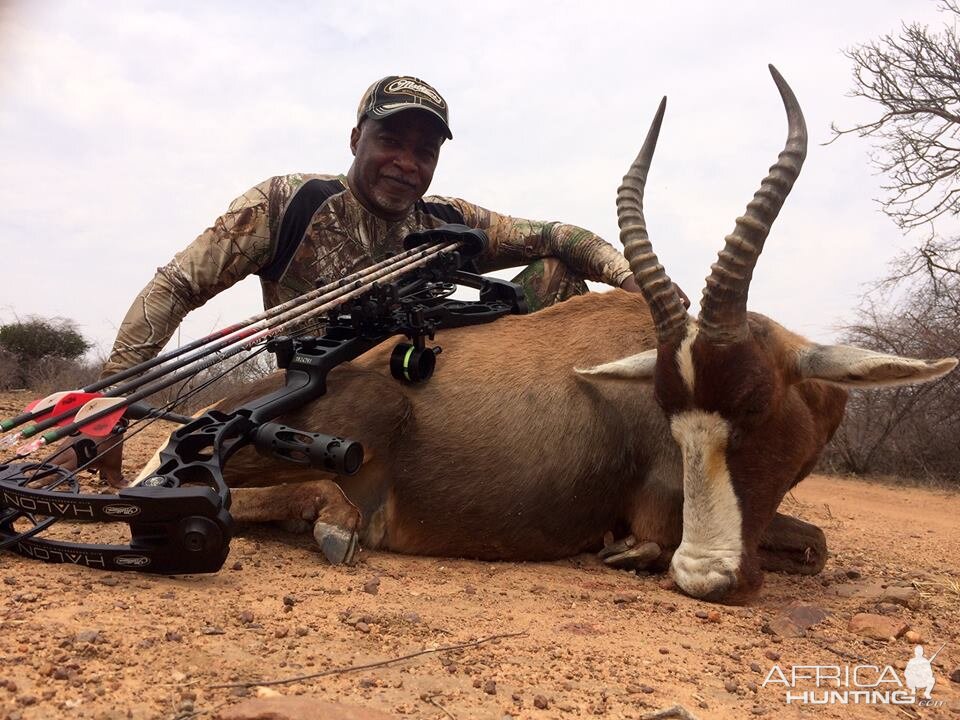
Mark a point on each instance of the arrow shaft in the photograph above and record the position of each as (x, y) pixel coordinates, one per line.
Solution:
(279, 320)
(265, 319)
(295, 317)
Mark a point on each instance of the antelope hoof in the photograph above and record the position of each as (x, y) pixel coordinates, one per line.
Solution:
(338, 545)
(639, 557)
(615, 548)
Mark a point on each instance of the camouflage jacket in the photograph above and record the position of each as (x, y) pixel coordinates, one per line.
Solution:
(341, 237)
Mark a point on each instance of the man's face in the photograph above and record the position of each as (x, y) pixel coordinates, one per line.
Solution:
(394, 160)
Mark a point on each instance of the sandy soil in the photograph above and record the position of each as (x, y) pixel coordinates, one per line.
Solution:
(589, 641)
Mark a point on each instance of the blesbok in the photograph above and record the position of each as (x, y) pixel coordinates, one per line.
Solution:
(609, 412)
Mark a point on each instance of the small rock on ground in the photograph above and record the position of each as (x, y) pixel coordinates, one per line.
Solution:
(793, 622)
(878, 627)
(908, 597)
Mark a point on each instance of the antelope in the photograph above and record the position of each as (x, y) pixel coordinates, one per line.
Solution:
(615, 412)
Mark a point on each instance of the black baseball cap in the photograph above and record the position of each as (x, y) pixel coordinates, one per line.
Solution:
(396, 93)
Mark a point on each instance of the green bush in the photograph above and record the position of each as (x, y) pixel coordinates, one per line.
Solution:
(37, 338)
(42, 354)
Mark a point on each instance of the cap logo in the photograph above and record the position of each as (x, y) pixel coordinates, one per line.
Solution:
(404, 85)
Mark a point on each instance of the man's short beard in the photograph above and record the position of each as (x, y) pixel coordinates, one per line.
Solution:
(390, 204)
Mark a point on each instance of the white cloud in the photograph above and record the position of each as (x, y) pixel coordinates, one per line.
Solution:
(127, 128)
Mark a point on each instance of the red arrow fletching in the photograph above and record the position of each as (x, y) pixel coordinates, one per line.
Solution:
(71, 402)
(57, 403)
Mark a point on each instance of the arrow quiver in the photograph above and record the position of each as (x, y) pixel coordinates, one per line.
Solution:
(179, 517)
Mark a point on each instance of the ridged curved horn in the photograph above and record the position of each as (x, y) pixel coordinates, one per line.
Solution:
(723, 311)
(669, 314)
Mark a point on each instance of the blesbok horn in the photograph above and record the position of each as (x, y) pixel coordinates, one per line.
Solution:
(669, 314)
(723, 310)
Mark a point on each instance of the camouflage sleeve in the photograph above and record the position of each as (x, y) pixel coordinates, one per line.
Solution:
(515, 242)
(238, 244)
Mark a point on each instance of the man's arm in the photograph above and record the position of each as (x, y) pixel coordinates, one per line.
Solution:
(237, 244)
(515, 242)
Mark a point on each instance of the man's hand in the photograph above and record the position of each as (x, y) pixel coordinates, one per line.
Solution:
(630, 285)
(109, 464)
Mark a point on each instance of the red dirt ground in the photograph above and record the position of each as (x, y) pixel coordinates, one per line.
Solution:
(78, 643)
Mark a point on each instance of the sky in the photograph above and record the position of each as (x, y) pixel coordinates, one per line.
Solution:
(126, 128)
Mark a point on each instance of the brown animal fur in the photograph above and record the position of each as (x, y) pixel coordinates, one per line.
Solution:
(510, 455)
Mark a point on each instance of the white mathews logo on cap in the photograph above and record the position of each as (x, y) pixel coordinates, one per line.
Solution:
(404, 85)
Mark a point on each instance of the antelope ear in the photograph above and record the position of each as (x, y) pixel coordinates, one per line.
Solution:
(634, 367)
(855, 367)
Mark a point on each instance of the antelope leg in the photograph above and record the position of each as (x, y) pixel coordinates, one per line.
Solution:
(335, 519)
(792, 546)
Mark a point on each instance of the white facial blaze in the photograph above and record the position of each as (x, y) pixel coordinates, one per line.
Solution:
(710, 551)
(685, 355)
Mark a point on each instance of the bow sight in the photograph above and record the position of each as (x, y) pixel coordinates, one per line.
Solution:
(179, 516)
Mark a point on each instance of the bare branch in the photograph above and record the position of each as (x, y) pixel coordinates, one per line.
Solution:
(915, 77)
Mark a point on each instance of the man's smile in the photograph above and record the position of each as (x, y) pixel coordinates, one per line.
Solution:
(399, 181)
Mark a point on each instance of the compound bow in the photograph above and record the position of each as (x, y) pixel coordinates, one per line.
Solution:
(179, 517)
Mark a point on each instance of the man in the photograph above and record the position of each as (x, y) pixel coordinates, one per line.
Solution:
(295, 231)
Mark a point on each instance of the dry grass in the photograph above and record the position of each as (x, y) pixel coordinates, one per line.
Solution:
(945, 585)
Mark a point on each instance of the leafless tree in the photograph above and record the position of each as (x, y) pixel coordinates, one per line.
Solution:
(915, 79)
